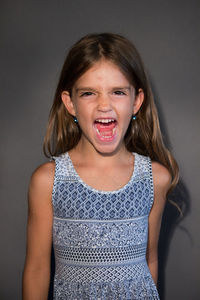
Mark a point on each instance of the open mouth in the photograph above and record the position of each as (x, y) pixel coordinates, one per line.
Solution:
(105, 128)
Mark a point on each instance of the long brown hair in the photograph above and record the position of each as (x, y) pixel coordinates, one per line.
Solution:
(143, 135)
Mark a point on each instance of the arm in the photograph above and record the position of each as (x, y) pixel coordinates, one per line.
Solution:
(162, 180)
(36, 274)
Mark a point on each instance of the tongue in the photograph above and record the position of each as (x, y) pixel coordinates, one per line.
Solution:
(105, 128)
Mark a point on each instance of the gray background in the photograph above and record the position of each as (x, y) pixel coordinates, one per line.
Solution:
(35, 36)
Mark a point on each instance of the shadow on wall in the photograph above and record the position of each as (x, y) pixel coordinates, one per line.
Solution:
(50, 296)
(171, 219)
(177, 207)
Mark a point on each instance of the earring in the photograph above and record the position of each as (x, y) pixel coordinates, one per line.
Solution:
(134, 117)
(75, 120)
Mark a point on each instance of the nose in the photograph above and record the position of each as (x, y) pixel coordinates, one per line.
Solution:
(104, 103)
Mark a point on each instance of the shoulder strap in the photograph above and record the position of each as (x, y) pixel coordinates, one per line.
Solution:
(64, 173)
(143, 169)
(64, 169)
(142, 165)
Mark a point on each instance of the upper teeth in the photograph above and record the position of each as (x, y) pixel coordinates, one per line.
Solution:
(105, 120)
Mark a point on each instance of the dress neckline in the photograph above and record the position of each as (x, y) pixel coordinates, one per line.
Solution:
(102, 191)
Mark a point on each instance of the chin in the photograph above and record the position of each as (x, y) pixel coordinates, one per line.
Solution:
(107, 150)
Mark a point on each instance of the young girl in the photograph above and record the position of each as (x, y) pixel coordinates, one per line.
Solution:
(102, 197)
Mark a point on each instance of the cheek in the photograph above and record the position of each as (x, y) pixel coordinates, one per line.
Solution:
(127, 110)
(83, 113)
(78, 107)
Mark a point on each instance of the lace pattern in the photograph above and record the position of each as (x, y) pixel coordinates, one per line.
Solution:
(100, 238)
(72, 198)
(99, 256)
(104, 289)
(91, 274)
(93, 234)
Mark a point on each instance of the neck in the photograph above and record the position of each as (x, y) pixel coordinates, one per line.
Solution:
(89, 155)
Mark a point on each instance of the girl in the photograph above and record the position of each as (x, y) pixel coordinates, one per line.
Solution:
(103, 196)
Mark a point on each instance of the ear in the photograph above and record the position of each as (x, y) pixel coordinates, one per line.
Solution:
(139, 98)
(67, 101)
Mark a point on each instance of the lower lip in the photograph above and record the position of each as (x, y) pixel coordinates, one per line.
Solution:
(106, 138)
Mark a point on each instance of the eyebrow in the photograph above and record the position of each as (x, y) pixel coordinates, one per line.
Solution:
(82, 89)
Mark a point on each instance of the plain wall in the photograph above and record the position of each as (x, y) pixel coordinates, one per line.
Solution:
(35, 37)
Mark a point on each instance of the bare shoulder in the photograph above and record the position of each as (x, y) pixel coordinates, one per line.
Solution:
(41, 183)
(161, 175)
(44, 174)
(161, 178)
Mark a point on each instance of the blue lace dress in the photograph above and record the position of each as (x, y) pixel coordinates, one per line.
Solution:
(100, 237)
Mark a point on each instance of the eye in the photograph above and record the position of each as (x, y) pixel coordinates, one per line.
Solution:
(86, 94)
(119, 93)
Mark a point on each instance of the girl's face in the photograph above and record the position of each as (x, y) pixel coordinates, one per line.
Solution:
(103, 101)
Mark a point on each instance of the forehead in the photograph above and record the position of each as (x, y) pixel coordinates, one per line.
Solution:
(103, 72)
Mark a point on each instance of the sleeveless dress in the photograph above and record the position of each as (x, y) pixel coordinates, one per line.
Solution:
(100, 237)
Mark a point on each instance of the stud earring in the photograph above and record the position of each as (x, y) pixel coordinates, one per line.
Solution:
(75, 120)
(134, 117)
